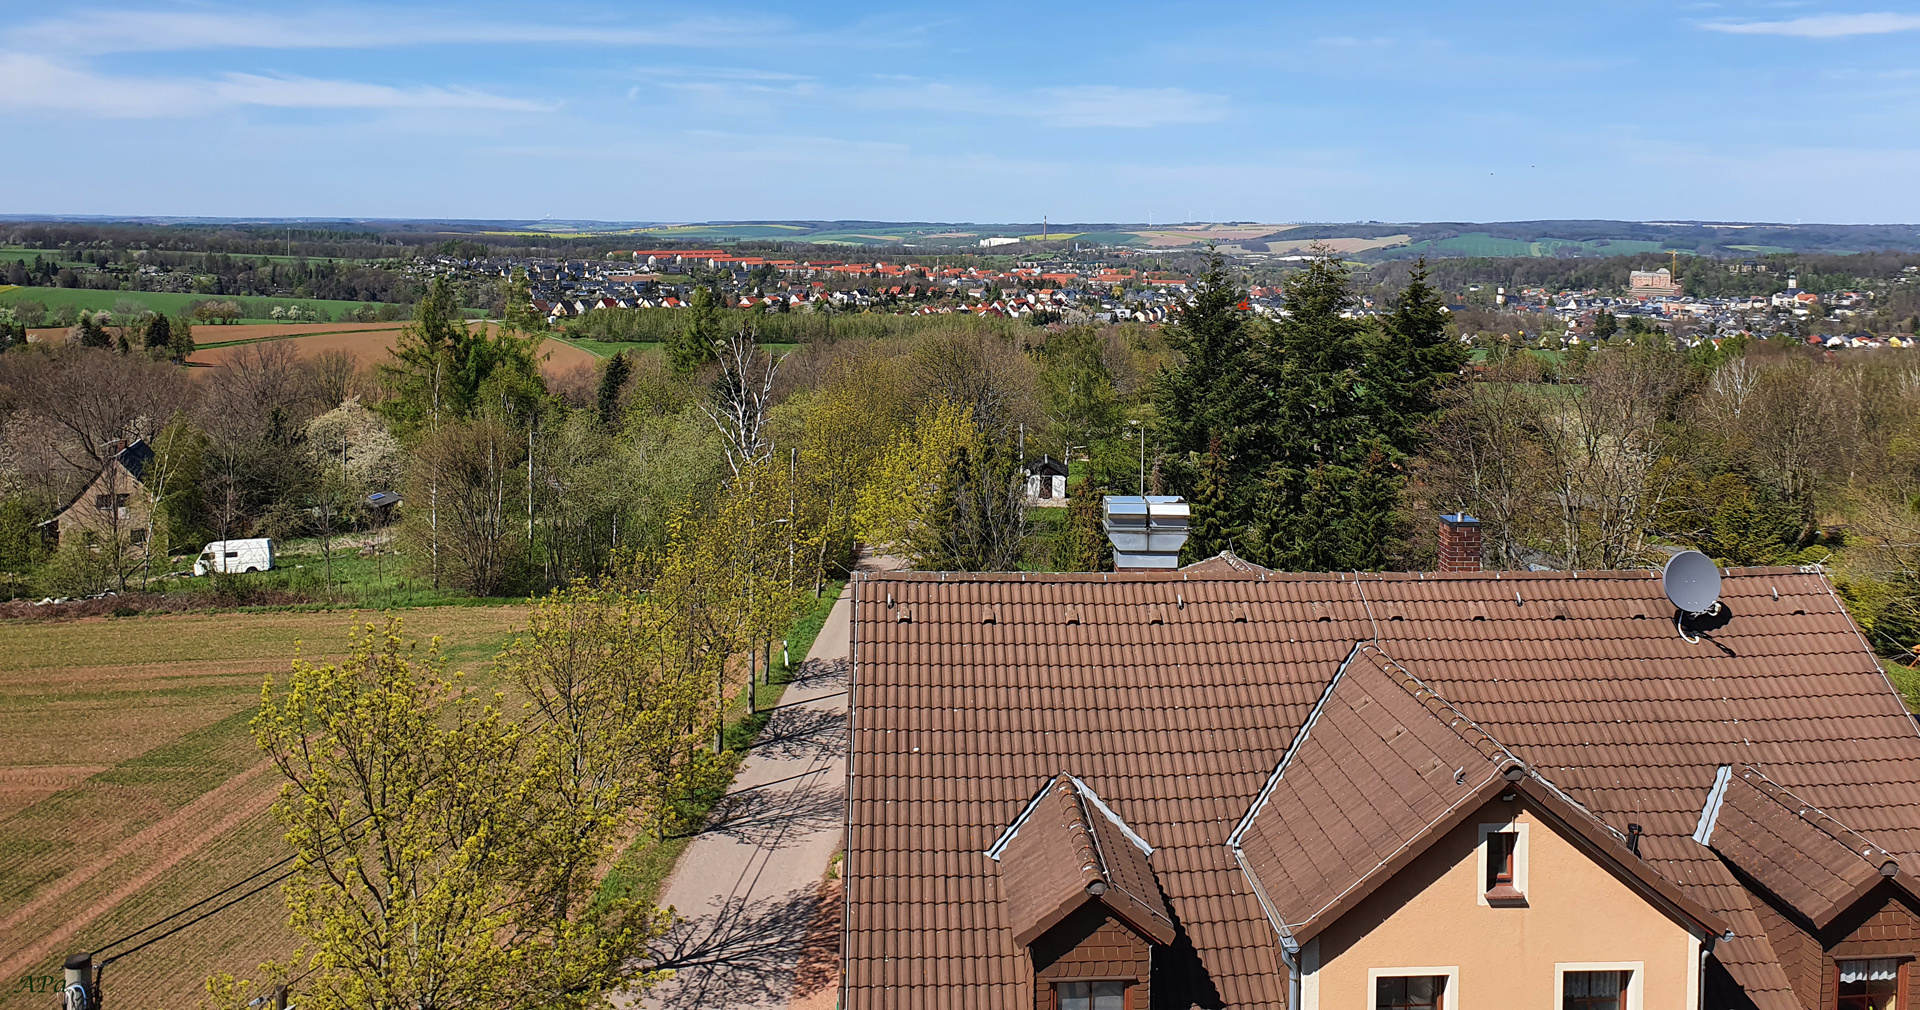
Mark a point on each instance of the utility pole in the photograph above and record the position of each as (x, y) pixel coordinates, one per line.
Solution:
(82, 990)
(1140, 433)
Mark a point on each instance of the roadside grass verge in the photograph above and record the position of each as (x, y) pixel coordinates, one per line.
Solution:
(643, 868)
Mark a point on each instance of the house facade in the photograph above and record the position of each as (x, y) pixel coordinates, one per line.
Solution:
(115, 504)
(1224, 787)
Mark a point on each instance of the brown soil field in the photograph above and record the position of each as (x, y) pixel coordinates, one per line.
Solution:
(132, 788)
(369, 346)
(208, 333)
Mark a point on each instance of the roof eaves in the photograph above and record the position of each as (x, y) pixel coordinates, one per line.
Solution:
(1371, 881)
(1613, 851)
(1501, 768)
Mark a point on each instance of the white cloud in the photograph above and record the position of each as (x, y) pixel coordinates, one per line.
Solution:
(1076, 106)
(96, 33)
(1822, 26)
(35, 83)
(1108, 105)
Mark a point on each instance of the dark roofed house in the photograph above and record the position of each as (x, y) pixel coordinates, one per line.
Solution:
(1227, 788)
(116, 503)
(1046, 478)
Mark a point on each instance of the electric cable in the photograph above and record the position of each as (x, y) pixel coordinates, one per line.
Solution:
(211, 897)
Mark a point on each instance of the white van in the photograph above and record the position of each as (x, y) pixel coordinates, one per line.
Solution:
(230, 556)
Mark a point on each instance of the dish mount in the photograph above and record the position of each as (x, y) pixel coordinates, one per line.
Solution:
(1692, 583)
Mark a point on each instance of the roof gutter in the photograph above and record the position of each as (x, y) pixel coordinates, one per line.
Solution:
(1289, 947)
(846, 822)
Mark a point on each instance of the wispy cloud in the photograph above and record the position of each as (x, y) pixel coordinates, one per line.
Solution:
(1351, 42)
(1822, 26)
(35, 83)
(1069, 107)
(100, 32)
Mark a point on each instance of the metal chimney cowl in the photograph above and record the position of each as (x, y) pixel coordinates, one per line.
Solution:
(1147, 531)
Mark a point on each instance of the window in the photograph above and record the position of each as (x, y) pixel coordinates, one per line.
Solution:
(137, 537)
(1500, 846)
(1594, 990)
(1503, 864)
(1409, 992)
(1868, 985)
(1091, 995)
(1599, 985)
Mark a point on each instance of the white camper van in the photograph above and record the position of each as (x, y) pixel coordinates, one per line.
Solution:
(230, 556)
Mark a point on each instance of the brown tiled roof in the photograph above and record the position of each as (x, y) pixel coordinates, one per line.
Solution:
(1066, 849)
(1809, 860)
(1174, 696)
(1381, 763)
(1223, 563)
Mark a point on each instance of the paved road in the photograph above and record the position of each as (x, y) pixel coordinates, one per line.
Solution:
(748, 886)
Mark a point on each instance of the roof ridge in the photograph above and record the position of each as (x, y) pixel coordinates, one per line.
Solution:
(1433, 701)
(1800, 807)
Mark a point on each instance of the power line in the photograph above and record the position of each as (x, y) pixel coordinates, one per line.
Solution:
(211, 897)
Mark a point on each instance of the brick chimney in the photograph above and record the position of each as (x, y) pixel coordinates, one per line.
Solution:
(1459, 543)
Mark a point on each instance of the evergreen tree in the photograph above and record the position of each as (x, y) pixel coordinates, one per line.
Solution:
(1327, 481)
(1216, 517)
(1415, 360)
(698, 342)
(1202, 398)
(159, 333)
(613, 382)
(19, 540)
(445, 370)
(1084, 545)
(91, 333)
(1605, 325)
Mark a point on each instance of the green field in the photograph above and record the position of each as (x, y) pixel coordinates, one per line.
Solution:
(1480, 243)
(60, 257)
(252, 309)
(725, 231)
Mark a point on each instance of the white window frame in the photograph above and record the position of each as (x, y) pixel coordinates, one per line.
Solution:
(1636, 983)
(1519, 830)
(1449, 998)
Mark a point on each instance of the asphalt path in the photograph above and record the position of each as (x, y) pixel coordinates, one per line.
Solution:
(748, 887)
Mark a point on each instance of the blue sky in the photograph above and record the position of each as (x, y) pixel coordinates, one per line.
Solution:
(986, 112)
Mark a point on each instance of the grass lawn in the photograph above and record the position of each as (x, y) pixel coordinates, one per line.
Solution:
(252, 309)
(644, 867)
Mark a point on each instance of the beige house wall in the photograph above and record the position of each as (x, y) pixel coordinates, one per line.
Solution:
(84, 515)
(1433, 915)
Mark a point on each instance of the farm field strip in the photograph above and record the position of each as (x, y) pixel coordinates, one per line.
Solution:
(369, 346)
(133, 787)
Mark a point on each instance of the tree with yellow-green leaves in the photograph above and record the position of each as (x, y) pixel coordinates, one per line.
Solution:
(614, 713)
(907, 483)
(845, 428)
(425, 822)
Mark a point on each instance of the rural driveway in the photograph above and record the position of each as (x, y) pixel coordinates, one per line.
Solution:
(748, 888)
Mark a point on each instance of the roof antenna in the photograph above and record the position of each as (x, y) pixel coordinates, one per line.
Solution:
(1692, 583)
(1633, 838)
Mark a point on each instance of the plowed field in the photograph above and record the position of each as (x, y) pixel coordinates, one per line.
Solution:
(130, 786)
(368, 345)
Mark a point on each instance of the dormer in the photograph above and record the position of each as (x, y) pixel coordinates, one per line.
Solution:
(1082, 898)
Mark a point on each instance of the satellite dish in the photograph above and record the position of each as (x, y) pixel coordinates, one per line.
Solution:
(1692, 582)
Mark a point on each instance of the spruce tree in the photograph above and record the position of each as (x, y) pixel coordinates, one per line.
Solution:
(613, 381)
(698, 342)
(1216, 518)
(1322, 502)
(1415, 359)
(1197, 400)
